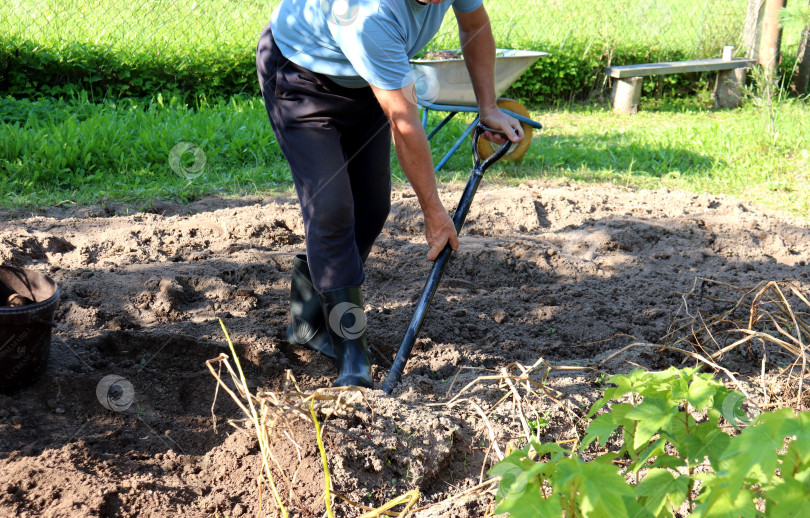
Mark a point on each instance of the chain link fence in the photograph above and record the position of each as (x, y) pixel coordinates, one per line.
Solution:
(137, 47)
(695, 28)
(159, 28)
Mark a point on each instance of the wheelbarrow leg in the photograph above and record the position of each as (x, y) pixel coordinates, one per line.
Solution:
(458, 143)
(440, 125)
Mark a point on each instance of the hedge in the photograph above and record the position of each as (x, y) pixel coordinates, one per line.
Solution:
(28, 70)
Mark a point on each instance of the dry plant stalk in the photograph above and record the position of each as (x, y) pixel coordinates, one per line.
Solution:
(524, 386)
(510, 379)
(241, 385)
(277, 408)
(267, 411)
(774, 315)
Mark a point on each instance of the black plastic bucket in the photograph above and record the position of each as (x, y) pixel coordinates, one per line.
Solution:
(25, 331)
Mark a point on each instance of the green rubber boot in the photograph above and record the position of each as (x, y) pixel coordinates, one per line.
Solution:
(346, 323)
(307, 323)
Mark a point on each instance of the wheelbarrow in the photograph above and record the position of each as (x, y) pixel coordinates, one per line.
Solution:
(444, 85)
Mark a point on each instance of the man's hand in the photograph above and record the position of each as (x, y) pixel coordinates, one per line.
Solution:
(496, 119)
(439, 231)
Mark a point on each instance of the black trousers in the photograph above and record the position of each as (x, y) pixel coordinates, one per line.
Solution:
(338, 145)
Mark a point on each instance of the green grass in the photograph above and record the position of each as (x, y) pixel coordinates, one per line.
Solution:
(180, 32)
(675, 144)
(66, 152)
(696, 26)
(156, 27)
(55, 151)
(723, 152)
(72, 150)
(166, 27)
(163, 29)
(141, 47)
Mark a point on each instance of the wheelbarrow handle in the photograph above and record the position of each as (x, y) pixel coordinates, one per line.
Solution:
(404, 352)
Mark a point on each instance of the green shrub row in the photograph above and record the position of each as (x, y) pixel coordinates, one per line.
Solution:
(28, 69)
(576, 75)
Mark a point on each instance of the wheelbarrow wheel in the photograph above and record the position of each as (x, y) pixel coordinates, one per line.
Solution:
(515, 153)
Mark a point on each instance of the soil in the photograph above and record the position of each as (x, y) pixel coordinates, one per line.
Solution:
(443, 55)
(567, 273)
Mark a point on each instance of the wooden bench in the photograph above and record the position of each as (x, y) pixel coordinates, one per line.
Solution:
(626, 91)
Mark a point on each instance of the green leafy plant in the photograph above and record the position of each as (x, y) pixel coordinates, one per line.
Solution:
(795, 17)
(538, 423)
(675, 455)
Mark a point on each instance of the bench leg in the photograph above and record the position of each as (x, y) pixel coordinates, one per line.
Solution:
(626, 95)
(728, 89)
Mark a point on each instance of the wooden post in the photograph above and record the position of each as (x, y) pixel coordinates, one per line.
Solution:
(771, 37)
(626, 94)
(728, 90)
(753, 28)
(802, 77)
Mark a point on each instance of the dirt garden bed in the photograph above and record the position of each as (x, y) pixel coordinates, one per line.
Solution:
(567, 273)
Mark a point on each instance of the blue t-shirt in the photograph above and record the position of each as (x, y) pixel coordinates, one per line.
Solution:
(359, 42)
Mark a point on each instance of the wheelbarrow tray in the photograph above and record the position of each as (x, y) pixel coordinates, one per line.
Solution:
(446, 81)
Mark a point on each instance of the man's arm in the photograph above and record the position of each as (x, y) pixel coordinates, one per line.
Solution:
(414, 156)
(478, 47)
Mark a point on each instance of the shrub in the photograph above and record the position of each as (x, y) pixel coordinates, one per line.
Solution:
(675, 453)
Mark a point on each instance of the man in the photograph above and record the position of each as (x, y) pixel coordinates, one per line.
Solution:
(338, 87)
